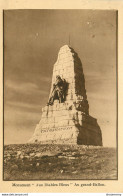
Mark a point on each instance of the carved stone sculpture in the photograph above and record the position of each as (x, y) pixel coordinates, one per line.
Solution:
(59, 91)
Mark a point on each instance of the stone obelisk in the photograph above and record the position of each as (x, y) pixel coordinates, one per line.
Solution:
(65, 119)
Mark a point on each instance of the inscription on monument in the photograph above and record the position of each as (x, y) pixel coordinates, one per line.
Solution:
(56, 129)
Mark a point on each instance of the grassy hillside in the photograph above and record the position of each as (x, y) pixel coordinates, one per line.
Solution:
(38, 162)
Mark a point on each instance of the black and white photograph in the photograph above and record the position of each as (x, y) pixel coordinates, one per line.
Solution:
(60, 94)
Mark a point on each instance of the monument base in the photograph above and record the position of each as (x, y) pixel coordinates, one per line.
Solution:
(64, 124)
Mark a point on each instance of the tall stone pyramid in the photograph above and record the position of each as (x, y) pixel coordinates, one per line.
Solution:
(65, 119)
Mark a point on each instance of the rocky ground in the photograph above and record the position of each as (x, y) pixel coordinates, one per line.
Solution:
(38, 162)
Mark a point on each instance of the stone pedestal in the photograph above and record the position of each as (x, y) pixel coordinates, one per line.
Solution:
(68, 122)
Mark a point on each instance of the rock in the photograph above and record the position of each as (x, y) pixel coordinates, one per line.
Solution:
(14, 167)
(37, 164)
(21, 157)
(38, 155)
(74, 172)
(60, 157)
(49, 153)
(71, 157)
(32, 154)
(97, 162)
(26, 156)
(18, 153)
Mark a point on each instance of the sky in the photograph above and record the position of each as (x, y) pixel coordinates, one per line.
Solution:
(32, 39)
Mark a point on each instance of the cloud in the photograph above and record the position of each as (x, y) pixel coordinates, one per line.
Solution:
(45, 79)
(19, 118)
(19, 125)
(23, 88)
(97, 76)
(18, 104)
(102, 96)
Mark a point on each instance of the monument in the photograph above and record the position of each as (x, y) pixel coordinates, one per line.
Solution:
(65, 119)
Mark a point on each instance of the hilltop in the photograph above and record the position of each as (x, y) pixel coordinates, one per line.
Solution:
(50, 162)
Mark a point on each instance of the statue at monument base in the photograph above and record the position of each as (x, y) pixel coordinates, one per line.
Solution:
(59, 91)
(65, 119)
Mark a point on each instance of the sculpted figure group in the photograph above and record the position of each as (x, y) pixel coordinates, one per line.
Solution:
(59, 91)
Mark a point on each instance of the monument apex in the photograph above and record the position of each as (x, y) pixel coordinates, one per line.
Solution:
(65, 119)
